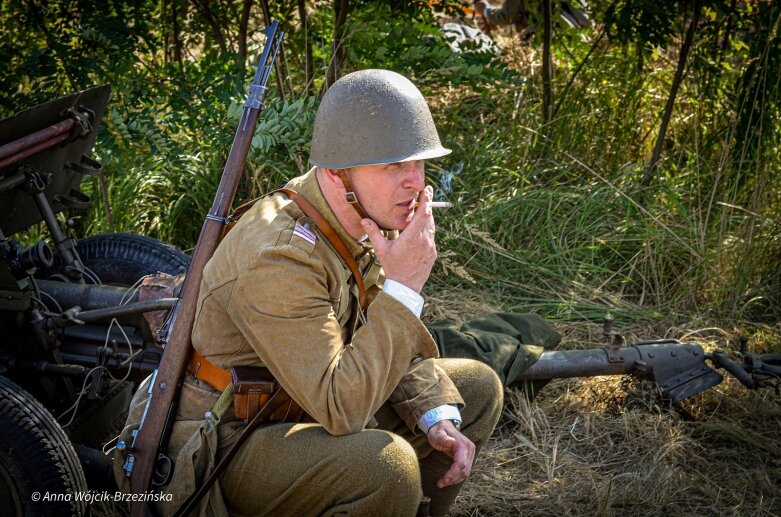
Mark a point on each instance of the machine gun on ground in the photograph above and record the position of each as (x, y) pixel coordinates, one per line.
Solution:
(680, 370)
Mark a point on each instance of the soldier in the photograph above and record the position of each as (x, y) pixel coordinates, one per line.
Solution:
(387, 422)
(516, 12)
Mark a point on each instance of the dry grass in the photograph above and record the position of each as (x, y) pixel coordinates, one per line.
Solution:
(608, 446)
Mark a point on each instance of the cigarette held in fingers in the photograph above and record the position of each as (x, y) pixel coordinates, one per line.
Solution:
(437, 204)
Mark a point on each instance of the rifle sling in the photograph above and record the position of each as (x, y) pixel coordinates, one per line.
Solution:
(278, 398)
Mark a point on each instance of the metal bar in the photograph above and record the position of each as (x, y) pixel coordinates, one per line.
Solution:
(663, 359)
(69, 370)
(86, 296)
(32, 151)
(65, 246)
(114, 312)
(34, 139)
(580, 363)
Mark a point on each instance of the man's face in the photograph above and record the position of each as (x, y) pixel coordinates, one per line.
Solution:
(388, 192)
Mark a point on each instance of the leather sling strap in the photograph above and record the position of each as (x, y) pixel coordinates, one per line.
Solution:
(276, 401)
(332, 237)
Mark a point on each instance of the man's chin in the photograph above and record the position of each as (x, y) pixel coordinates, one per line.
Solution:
(396, 225)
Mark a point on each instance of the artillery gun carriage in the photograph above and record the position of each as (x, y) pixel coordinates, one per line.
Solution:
(74, 338)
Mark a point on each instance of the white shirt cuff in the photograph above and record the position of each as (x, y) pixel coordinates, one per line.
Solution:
(444, 412)
(406, 296)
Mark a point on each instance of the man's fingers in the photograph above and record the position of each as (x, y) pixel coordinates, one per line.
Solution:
(423, 218)
(374, 233)
(425, 197)
(444, 443)
(460, 449)
(457, 473)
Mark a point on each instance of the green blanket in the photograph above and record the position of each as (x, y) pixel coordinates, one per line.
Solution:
(507, 342)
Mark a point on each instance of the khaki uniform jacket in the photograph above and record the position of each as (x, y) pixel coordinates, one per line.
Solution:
(270, 296)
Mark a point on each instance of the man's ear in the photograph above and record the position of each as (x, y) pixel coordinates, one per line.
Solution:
(332, 176)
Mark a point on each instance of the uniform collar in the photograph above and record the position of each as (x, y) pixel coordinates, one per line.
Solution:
(308, 187)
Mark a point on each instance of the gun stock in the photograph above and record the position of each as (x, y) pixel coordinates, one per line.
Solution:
(156, 425)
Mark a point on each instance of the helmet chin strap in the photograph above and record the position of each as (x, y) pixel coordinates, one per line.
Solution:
(350, 195)
(351, 198)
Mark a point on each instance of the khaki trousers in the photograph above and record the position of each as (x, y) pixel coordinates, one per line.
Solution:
(300, 469)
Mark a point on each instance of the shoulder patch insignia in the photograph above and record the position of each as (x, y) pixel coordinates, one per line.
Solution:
(304, 232)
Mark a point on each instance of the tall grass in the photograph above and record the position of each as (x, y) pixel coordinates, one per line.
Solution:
(550, 218)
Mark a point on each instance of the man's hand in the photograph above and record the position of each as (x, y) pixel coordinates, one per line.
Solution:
(408, 259)
(443, 436)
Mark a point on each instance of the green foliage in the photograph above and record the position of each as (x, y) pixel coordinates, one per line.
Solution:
(646, 21)
(547, 216)
(419, 48)
(759, 92)
(57, 47)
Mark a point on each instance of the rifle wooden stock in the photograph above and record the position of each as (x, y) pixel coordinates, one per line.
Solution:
(156, 425)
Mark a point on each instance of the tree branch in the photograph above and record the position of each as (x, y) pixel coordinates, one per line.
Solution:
(668, 109)
(203, 5)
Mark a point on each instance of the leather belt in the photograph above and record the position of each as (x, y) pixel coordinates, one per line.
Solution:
(206, 371)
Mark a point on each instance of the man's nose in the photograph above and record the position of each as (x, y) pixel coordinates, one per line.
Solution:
(414, 174)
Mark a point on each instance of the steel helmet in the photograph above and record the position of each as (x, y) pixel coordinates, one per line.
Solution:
(372, 117)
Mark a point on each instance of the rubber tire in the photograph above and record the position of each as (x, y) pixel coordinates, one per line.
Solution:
(123, 258)
(35, 456)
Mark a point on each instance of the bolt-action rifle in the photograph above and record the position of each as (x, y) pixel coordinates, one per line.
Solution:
(147, 464)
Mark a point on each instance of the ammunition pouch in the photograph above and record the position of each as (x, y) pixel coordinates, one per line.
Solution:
(253, 386)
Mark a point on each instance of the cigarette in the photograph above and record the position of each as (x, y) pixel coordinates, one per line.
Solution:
(437, 204)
